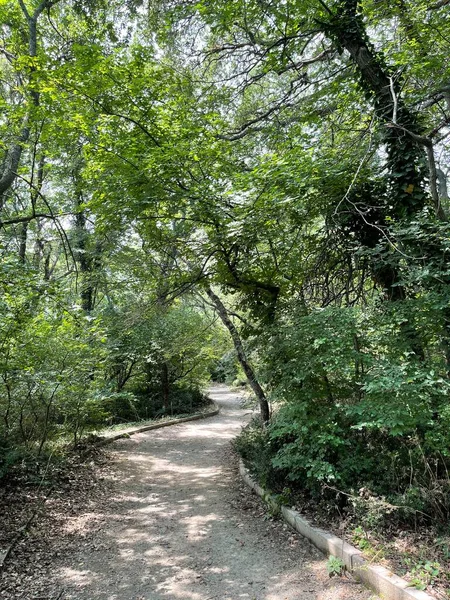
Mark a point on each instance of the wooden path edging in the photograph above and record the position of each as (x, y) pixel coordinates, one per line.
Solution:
(379, 579)
(126, 434)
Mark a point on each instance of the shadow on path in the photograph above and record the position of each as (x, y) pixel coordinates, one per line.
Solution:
(182, 526)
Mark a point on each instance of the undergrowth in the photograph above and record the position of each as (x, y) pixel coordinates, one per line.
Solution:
(393, 514)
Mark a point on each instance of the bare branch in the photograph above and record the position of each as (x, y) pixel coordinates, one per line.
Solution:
(247, 127)
(307, 61)
(8, 55)
(394, 100)
(437, 129)
(424, 141)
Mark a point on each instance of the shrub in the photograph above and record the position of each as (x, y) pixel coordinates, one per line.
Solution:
(358, 408)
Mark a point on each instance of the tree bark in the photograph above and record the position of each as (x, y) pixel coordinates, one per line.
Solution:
(23, 235)
(442, 185)
(406, 157)
(242, 357)
(11, 163)
(165, 387)
(84, 260)
(88, 254)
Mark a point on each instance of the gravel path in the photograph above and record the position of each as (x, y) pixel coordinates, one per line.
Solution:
(181, 525)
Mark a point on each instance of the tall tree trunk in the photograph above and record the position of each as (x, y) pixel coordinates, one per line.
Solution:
(406, 157)
(163, 302)
(23, 235)
(88, 257)
(8, 172)
(84, 260)
(442, 185)
(34, 195)
(165, 387)
(246, 366)
(11, 163)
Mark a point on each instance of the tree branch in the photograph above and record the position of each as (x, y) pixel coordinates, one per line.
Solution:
(428, 143)
(439, 4)
(27, 219)
(25, 10)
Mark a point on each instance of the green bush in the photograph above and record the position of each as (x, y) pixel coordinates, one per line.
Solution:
(357, 408)
(146, 402)
(257, 451)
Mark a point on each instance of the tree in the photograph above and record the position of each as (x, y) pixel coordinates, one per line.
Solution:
(247, 368)
(288, 160)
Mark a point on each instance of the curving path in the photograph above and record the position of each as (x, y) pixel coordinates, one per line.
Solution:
(181, 525)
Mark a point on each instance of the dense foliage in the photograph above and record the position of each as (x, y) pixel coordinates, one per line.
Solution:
(279, 168)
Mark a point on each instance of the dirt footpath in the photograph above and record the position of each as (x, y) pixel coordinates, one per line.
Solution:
(181, 525)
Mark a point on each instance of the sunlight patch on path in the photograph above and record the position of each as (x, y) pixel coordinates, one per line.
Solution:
(178, 527)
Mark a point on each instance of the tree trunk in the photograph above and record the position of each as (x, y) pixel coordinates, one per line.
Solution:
(442, 185)
(248, 370)
(85, 262)
(23, 235)
(11, 164)
(88, 259)
(165, 387)
(406, 157)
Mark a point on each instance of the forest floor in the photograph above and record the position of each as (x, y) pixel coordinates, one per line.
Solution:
(168, 518)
